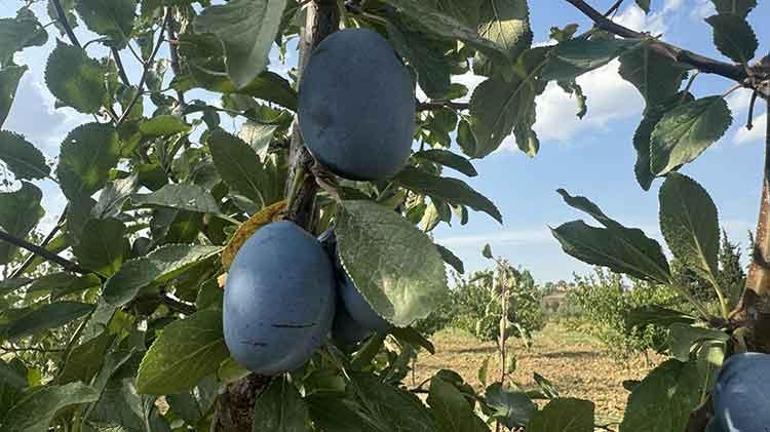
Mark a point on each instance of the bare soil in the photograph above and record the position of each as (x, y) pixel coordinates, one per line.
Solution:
(573, 362)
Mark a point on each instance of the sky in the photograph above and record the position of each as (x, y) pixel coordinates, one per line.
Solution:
(592, 157)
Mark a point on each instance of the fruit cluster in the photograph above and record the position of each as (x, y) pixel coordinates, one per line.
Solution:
(286, 291)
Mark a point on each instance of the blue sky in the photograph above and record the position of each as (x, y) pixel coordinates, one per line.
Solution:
(592, 157)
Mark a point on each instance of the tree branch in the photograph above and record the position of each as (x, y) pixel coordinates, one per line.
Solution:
(174, 54)
(432, 105)
(146, 71)
(62, 16)
(119, 64)
(37, 250)
(704, 64)
(19, 271)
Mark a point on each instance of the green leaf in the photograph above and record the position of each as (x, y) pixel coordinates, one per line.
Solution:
(186, 351)
(686, 131)
(643, 135)
(86, 359)
(61, 284)
(446, 189)
(20, 211)
(734, 37)
(624, 250)
(21, 157)
(424, 54)
(205, 61)
(506, 23)
(450, 258)
(662, 402)
(19, 33)
(101, 246)
(657, 77)
(113, 19)
(247, 28)
(160, 265)
(564, 415)
(448, 159)
(447, 26)
(499, 108)
(451, 410)
(740, 8)
(35, 411)
(689, 223)
(75, 79)
(644, 5)
(9, 82)
(395, 266)
(238, 164)
(180, 196)
(258, 136)
(486, 252)
(656, 315)
(113, 196)
(683, 338)
(572, 58)
(87, 155)
(380, 402)
(45, 317)
(511, 408)
(163, 125)
(280, 408)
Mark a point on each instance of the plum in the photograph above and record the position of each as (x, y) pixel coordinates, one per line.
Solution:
(741, 395)
(357, 106)
(354, 319)
(360, 309)
(279, 299)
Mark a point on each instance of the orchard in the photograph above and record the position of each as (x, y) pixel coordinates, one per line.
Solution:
(247, 241)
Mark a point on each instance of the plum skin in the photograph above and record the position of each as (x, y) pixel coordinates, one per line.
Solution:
(279, 299)
(360, 309)
(357, 106)
(741, 394)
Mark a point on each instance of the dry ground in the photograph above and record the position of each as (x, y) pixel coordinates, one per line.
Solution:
(573, 362)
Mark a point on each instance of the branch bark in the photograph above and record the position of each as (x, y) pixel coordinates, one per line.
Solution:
(48, 255)
(235, 405)
(62, 17)
(432, 105)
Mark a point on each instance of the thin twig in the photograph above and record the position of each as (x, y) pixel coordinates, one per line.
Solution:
(50, 256)
(173, 47)
(614, 8)
(432, 105)
(697, 61)
(35, 349)
(19, 271)
(119, 64)
(177, 305)
(62, 16)
(752, 102)
(147, 65)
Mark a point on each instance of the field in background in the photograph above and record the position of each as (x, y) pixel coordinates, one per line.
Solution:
(572, 361)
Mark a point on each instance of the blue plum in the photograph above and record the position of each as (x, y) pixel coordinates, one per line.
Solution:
(279, 299)
(741, 395)
(357, 106)
(360, 309)
(354, 319)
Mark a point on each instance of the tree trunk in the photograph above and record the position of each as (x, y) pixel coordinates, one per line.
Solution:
(235, 404)
(751, 318)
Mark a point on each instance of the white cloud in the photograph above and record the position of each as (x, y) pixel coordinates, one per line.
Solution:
(610, 98)
(702, 10)
(634, 18)
(756, 134)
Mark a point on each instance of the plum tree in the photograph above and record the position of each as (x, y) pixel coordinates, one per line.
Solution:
(279, 299)
(742, 394)
(357, 106)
